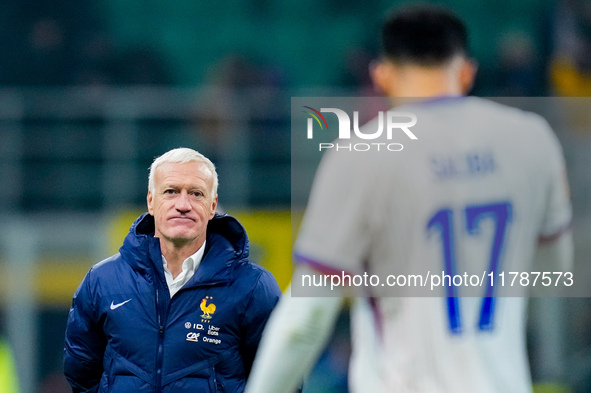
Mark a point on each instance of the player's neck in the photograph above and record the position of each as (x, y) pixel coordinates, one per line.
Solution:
(175, 255)
(426, 82)
(408, 79)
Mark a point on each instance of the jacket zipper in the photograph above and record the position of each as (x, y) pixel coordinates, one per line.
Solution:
(160, 311)
(216, 386)
(160, 355)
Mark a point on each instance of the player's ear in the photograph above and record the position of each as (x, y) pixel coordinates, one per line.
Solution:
(381, 72)
(467, 75)
(214, 206)
(150, 200)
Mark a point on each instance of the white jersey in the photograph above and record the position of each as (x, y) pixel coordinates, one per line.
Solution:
(474, 193)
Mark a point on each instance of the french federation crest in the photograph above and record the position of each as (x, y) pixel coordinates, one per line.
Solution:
(208, 309)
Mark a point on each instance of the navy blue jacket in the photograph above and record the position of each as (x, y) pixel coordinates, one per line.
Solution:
(126, 335)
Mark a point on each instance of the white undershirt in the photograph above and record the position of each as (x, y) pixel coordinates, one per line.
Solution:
(190, 265)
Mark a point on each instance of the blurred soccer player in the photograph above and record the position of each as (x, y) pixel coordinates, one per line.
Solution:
(483, 188)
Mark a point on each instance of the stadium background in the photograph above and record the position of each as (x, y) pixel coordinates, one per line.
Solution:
(92, 91)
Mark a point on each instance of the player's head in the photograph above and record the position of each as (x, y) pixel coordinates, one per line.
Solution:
(183, 155)
(423, 37)
(182, 197)
(423, 34)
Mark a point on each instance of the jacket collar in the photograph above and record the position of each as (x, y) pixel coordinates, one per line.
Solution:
(227, 247)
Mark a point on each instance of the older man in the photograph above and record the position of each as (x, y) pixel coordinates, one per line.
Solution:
(180, 308)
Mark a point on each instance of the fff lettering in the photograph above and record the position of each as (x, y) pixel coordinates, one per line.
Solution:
(394, 120)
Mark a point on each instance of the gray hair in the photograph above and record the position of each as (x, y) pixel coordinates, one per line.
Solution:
(182, 155)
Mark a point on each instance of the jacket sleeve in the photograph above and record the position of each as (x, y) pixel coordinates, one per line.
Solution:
(85, 341)
(263, 299)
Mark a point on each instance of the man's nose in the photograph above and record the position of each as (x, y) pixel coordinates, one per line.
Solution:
(182, 202)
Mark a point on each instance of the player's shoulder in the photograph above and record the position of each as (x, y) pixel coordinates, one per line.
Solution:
(254, 274)
(105, 269)
(508, 117)
(505, 113)
(252, 281)
(481, 108)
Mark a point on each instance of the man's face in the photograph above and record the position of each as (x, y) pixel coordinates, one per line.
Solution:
(182, 202)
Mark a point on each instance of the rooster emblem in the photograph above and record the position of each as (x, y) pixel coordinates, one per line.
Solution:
(207, 309)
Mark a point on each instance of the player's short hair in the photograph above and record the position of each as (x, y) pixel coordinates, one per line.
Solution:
(182, 155)
(423, 34)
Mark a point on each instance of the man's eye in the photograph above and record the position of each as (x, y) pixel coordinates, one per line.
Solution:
(169, 191)
(197, 193)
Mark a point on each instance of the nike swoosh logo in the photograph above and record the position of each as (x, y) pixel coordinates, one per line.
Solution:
(114, 306)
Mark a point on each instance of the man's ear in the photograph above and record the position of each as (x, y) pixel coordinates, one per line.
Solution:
(467, 75)
(214, 206)
(382, 75)
(150, 200)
